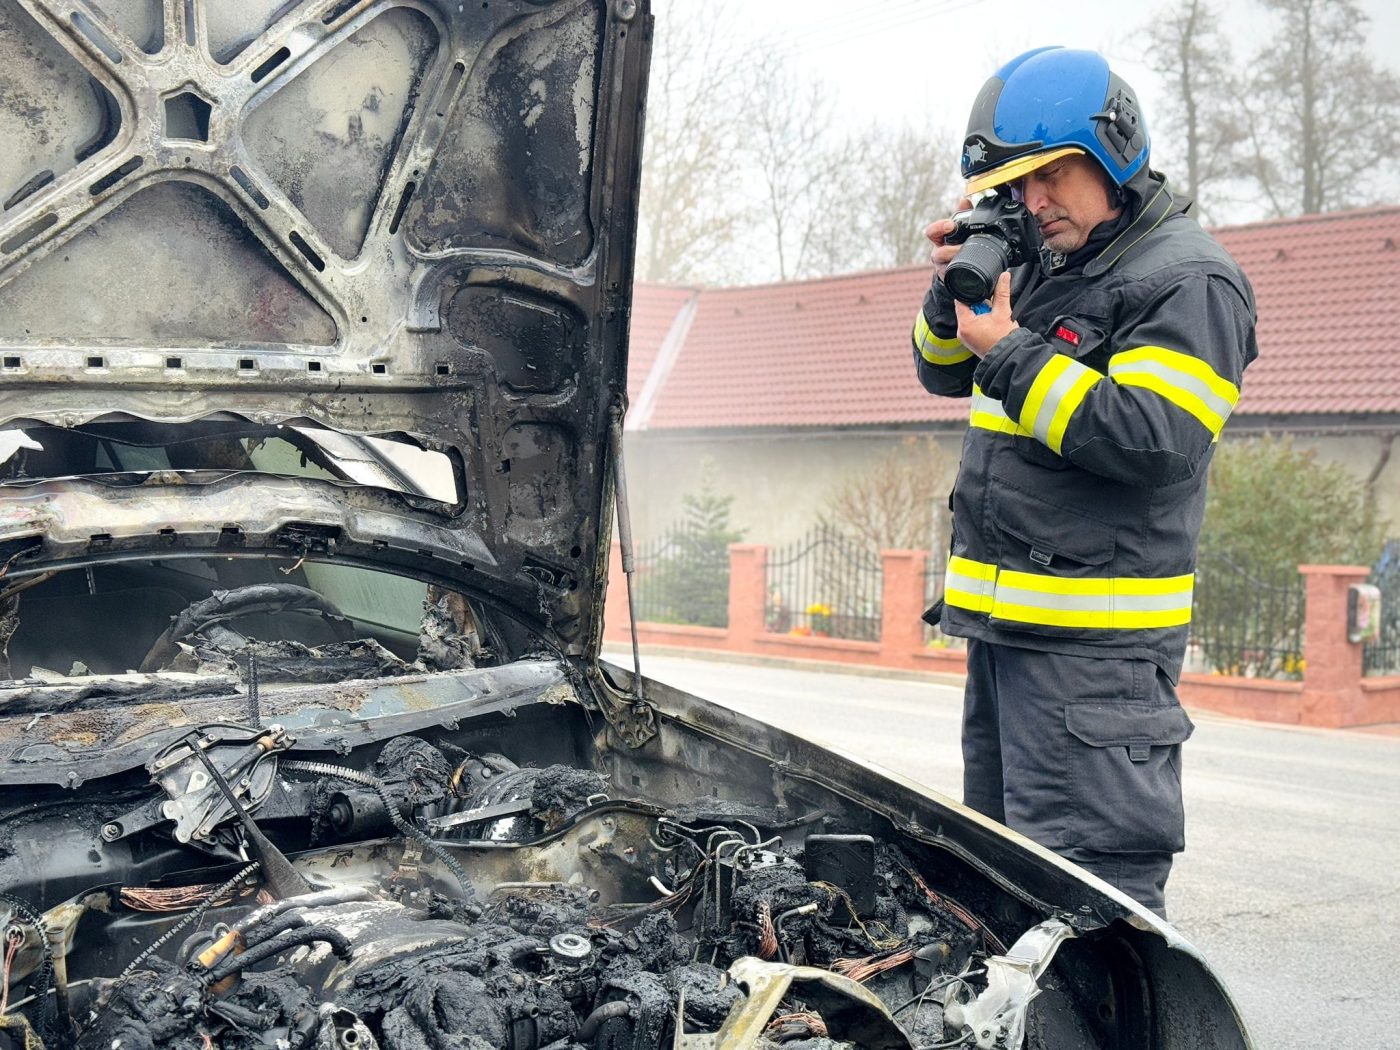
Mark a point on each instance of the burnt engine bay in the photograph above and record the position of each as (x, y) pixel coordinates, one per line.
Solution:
(429, 890)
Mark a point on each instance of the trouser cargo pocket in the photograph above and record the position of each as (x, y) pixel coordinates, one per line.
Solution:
(1125, 776)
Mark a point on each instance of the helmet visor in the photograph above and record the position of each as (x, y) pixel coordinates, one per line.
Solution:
(1014, 169)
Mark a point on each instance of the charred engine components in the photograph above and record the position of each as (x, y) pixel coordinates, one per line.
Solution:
(603, 922)
(195, 802)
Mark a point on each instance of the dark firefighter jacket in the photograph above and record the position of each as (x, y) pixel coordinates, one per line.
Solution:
(1082, 482)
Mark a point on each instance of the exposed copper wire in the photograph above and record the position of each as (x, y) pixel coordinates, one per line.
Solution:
(813, 1023)
(675, 900)
(13, 940)
(173, 898)
(863, 969)
(886, 940)
(957, 910)
(768, 936)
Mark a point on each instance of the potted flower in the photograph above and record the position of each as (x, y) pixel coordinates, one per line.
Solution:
(819, 618)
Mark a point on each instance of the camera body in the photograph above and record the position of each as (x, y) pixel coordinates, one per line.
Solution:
(996, 234)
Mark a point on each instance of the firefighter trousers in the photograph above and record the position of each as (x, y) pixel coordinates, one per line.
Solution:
(1082, 755)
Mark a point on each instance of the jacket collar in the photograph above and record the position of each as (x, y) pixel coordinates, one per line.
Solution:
(1149, 201)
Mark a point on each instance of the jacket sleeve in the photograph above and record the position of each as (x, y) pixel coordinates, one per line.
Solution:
(1151, 419)
(944, 365)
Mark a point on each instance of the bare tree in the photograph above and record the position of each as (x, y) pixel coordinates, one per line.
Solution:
(899, 502)
(1186, 46)
(910, 178)
(1324, 118)
(806, 173)
(691, 210)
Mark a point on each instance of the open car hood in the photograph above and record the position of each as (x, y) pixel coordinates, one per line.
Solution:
(371, 218)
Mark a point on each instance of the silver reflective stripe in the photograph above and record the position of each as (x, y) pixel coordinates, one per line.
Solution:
(1093, 602)
(1219, 405)
(969, 584)
(1122, 603)
(934, 350)
(989, 414)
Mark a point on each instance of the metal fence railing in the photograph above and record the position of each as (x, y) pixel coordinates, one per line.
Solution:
(1246, 621)
(682, 576)
(826, 585)
(1383, 657)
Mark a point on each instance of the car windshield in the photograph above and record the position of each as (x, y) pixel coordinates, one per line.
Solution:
(135, 450)
(208, 617)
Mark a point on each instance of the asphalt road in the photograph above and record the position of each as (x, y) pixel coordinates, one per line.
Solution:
(1290, 884)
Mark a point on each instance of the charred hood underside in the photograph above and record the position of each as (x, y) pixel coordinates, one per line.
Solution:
(378, 218)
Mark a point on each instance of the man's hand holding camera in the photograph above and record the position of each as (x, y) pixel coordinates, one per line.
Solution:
(977, 332)
(980, 332)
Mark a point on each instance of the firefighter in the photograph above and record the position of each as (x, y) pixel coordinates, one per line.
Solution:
(1101, 371)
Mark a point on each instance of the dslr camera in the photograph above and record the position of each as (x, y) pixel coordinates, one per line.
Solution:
(996, 234)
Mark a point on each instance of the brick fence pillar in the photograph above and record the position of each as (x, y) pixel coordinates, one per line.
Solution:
(617, 620)
(902, 604)
(748, 592)
(1332, 669)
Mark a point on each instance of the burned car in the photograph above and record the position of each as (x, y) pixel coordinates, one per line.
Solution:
(313, 329)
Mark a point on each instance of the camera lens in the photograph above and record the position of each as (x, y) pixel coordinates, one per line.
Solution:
(972, 275)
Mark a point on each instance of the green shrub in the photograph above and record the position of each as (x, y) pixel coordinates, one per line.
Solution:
(1271, 507)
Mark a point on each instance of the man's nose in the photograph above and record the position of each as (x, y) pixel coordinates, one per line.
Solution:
(1033, 196)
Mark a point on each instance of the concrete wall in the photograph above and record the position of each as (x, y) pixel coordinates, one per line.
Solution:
(782, 479)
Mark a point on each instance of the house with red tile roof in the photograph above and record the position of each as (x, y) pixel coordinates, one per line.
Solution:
(790, 387)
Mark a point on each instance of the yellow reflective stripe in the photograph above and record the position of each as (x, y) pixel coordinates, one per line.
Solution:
(1184, 363)
(989, 414)
(976, 570)
(1071, 400)
(1187, 382)
(1057, 392)
(1108, 620)
(968, 584)
(934, 350)
(1112, 603)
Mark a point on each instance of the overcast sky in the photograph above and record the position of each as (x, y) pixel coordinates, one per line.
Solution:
(922, 62)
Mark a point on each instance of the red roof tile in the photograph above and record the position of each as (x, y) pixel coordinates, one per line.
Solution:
(1327, 287)
(654, 310)
(835, 351)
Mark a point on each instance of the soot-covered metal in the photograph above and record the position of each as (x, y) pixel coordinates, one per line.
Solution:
(407, 219)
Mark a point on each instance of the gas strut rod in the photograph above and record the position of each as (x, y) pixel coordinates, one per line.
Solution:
(624, 540)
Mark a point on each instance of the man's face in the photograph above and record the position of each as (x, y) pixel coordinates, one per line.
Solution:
(1068, 198)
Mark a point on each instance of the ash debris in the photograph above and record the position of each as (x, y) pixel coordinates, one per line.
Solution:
(624, 944)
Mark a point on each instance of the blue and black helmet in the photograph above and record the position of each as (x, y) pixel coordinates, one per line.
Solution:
(1046, 104)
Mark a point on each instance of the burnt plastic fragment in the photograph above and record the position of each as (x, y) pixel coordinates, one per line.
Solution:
(847, 861)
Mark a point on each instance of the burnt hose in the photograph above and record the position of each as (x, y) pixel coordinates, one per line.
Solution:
(314, 899)
(273, 928)
(288, 939)
(594, 1021)
(325, 769)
